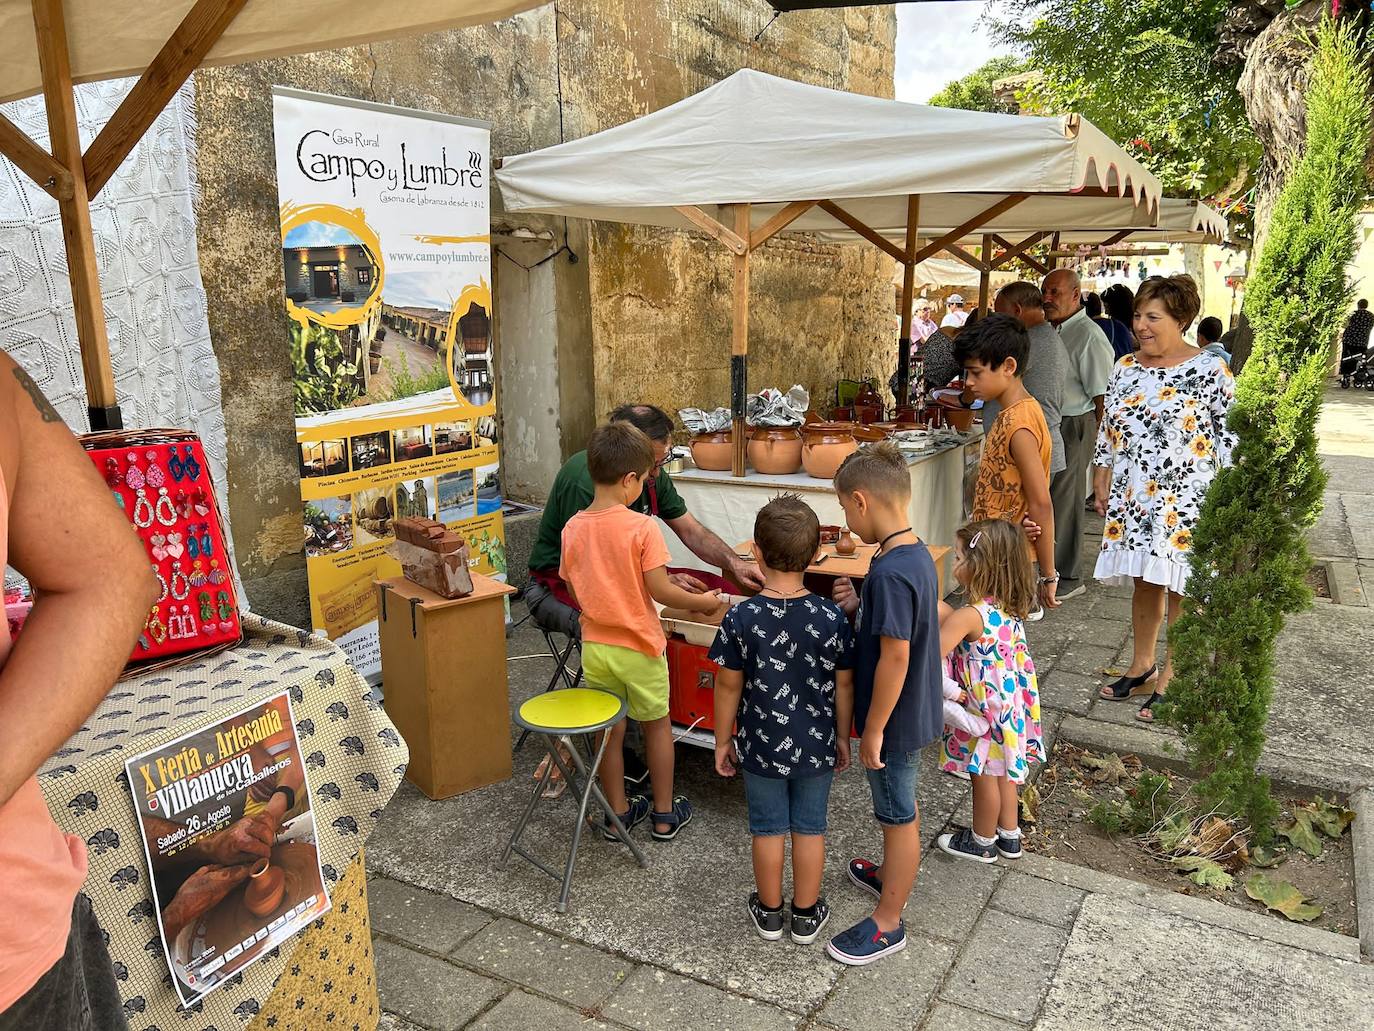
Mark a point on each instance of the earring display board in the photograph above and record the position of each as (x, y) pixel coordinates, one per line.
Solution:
(160, 479)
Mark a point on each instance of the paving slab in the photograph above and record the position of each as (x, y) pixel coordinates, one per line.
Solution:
(944, 1017)
(430, 991)
(1002, 943)
(948, 896)
(575, 974)
(1037, 899)
(1084, 658)
(433, 922)
(391, 1022)
(522, 1011)
(1066, 691)
(893, 992)
(655, 1000)
(1129, 968)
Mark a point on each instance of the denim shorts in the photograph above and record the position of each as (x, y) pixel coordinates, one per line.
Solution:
(894, 788)
(781, 804)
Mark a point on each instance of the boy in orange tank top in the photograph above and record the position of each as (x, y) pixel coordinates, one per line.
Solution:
(1014, 473)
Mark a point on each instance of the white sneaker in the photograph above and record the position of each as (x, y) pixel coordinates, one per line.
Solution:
(1072, 592)
(1036, 614)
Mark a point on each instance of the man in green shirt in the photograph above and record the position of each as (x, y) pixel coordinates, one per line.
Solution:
(547, 596)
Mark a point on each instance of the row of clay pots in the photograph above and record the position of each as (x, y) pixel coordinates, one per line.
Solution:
(820, 447)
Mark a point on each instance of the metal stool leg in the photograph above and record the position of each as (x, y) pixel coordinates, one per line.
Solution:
(525, 816)
(619, 827)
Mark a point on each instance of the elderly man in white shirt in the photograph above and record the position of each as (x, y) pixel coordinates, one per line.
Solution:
(955, 315)
(1085, 383)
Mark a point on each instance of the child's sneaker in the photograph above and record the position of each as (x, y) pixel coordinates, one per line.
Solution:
(864, 943)
(636, 814)
(806, 927)
(767, 922)
(1009, 848)
(680, 817)
(865, 875)
(962, 845)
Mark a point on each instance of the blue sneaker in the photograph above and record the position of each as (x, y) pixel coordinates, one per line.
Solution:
(1009, 848)
(865, 875)
(863, 943)
(962, 845)
(680, 817)
(636, 814)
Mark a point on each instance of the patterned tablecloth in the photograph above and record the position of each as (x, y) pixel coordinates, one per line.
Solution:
(354, 761)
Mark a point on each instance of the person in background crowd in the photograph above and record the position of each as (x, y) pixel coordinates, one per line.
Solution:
(1117, 334)
(93, 587)
(922, 326)
(1162, 442)
(1090, 366)
(1209, 338)
(955, 315)
(1355, 339)
(1118, 304)
(1046, 365)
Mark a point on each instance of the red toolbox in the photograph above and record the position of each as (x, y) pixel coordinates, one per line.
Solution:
(691, 685)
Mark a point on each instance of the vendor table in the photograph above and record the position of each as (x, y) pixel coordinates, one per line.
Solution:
(354, 760)
(831, 563)
(727, 504)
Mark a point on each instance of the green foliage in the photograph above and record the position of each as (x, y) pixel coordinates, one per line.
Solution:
(1249, 553)
(326, 375)
(405, 384)
(1142, 72)
(1140, 808)
(974, 91)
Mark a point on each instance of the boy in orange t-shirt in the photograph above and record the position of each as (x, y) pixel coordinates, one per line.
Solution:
(1014, 472)
(616, 565)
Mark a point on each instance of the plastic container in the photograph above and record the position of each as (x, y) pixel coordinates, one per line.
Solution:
(691, 685)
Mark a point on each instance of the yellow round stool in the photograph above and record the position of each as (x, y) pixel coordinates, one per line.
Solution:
(553, 715)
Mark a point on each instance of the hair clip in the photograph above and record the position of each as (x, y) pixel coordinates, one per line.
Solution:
(974, 542)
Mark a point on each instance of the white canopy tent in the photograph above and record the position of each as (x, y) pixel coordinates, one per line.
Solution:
(48, 45)
(756, 154)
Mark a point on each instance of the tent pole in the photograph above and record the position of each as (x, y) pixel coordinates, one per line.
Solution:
(739, 342)
(985, 278)
(82, 268)
(913, 220)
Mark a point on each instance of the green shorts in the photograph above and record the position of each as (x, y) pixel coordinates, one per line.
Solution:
(638, 678)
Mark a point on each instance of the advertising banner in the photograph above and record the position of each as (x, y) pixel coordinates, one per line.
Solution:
(229, 834)
(387, 257)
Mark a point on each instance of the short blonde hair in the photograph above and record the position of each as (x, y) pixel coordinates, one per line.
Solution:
(878, 469)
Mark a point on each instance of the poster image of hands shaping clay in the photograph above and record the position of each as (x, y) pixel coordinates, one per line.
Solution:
(229, 835)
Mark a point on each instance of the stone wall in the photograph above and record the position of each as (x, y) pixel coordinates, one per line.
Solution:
(620, 314)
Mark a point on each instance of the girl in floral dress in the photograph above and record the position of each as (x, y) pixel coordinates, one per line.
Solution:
(993, 665)
(1163, 438)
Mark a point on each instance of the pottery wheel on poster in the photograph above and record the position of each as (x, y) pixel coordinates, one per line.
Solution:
(230, 922)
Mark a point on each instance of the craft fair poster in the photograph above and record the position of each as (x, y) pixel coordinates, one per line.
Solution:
(229, 835)
(386, 254)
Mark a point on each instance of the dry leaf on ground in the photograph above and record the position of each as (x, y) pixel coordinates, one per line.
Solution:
(1281, 897)
(1332, 819)
(1206, 873)
(1301, 833)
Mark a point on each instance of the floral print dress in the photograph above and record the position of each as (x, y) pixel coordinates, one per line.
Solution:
(1163, 437)
(997, 672)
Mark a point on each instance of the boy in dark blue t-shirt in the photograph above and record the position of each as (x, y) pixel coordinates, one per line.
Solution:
(898, 698)
(785, 687)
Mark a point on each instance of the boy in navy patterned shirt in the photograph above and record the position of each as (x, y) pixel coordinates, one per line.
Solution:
(786, 687)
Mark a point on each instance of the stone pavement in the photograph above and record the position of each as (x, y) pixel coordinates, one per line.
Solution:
(464, 944)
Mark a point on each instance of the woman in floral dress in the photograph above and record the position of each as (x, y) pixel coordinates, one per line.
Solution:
(1163, 438)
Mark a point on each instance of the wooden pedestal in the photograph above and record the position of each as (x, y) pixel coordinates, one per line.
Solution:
(444, 682)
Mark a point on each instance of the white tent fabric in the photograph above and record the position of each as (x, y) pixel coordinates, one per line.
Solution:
(759, 139)
(113, 38)
(1180, 221)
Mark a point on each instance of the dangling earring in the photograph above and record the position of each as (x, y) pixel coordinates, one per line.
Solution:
(162, 582)
(155, 627)
(207, 546)
(143, 508)
(189, 465)
(217, 575)
(197, 577)
(207, 607)
(174, 464)
(225, 611)
(157, 479)
(188, 622)
(182, 589)
(192, 543)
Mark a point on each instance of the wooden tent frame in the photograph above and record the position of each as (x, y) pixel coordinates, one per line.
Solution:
(73, 179)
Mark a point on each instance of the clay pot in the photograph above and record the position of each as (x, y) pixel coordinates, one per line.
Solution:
(869, 434)
(868, 405)
(842, 413)
(824, 446)
(775, 450)
(904, 413)
(897, 426)
(266, 885)
(845, 545)
(713, 451)
(960, 418)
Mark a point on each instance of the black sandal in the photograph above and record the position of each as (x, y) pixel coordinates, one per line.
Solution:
(1120, 690)
(1155, 696)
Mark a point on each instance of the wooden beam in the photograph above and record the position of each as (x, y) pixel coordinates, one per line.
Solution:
(34, 161)
(840, 215)
(1116, 237)
(1036, 264)
(179, 57)
(1139, 251)
(779, 222)
(1014, 251)
(913, 225)
(739, 343)
(55, 64)
(967, 258)
(712, 228)
(985, 278)
(976, 222)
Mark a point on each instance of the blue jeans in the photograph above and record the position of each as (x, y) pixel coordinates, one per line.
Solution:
(894, 787)
(781, 804)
